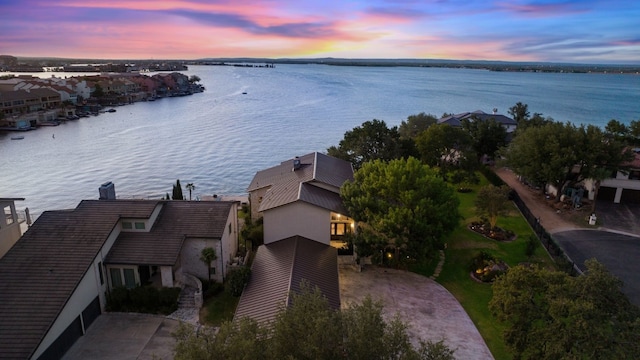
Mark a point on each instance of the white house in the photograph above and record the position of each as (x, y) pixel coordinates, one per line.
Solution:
(624, 187)
(54, 280)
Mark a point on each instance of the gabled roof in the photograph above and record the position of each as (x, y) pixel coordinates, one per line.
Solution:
(280, 268)
(455, 120)
(43, 268)
(285, 183)
(177, 221)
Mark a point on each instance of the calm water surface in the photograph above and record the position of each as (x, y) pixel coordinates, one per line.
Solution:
(219, 139)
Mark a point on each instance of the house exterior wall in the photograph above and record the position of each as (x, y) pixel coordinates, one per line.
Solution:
(298, 218)
(255, 198)
(166, 274)
(9, 233)
(621, 182)
(229, 242)
(190, 258)
(83, 295)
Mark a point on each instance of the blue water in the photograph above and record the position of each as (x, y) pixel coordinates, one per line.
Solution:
(219, 139)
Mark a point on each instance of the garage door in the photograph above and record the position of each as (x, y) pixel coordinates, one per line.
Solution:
(606, 193)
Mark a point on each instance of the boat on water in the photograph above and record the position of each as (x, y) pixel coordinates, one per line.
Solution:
(17, 137)
(111, 110)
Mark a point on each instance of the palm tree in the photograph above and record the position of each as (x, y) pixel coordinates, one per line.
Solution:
(190, 187)
(207, 255)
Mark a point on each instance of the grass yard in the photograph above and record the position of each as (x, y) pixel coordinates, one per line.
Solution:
(219, 309)
(462, 245)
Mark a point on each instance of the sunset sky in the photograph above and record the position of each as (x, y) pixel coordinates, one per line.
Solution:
(577, 31)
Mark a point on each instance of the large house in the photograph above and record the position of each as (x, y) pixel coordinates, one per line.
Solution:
(301, 197)
(456, 120)
(54, 281)
(304, 223)
(623, 187)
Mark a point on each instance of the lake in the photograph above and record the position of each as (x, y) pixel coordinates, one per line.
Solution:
(218, 139)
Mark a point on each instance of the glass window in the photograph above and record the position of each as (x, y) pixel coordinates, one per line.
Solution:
(116, 278)
(100, 273)
(8, 215)
(129, 278)
(213, 271)
(139, 225)
(127, 225)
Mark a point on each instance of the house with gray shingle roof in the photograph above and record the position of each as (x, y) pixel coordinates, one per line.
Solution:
(305, 223)
(54, 280)
(301, 196)
(10, 230)
(456, 120)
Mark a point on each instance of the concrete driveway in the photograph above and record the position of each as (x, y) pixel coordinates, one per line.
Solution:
(430, 310)
(619, 217)
(618, 252)
(122, 336)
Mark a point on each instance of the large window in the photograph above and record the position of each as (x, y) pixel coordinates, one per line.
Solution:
(123, 277)
(8, 215)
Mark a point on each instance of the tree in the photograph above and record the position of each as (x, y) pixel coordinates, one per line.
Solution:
(194, 79)
(98, 92)
(309, 329)
(177, 191)
(370, 141)
(190, 187)
(444, 146)
(402, 204)
(207, 255)
(519, 112)
(416, 124)
(487, 136)
(492, 201)
(551, 315)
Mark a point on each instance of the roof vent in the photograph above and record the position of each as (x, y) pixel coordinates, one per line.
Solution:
(107, 191)
(296, 163)
(495, 111)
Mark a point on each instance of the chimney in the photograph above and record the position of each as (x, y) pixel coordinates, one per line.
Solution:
(107, 191)
(296, 163)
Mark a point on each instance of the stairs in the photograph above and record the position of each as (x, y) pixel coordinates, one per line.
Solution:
(186, 299)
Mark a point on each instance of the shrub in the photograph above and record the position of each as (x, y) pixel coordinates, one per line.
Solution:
(118, 299)
(485, 267)
(530, 247)
(237, 279)
(211, 289)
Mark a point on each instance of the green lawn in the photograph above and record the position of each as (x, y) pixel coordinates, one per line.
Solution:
(219, 309)
(462, 246)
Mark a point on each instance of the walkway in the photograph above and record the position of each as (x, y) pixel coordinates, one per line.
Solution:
(430, 310)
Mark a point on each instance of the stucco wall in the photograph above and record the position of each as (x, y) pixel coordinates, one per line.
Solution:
(298, 218)
(190, 258)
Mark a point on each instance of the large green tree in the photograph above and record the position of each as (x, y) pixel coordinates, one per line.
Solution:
(309, 329)
(519, 112)
(402, 204)
(177, 191)
(370, 141)
(551, 315)
(445, 146)
(416, 124)
(486, 136)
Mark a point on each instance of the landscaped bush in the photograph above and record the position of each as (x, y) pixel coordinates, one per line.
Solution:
(237, 279)
(496, 233)
(144, 299)
(486, 267)
(211, 288)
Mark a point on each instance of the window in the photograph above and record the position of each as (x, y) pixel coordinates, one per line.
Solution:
(229, 228)
(213, 271)
(100, 273)
(139, 225)
(339, 228)
(129, 278)
(634, 175)
(8, 215)
(127, 225)
(116, 278)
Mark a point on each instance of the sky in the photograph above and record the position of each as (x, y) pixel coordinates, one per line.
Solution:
(571, 31)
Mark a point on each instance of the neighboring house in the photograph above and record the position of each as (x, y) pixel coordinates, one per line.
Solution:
(456, 120)
(623, 187)
(301, 196)
(54, 281)
(10, 230)
(304, 223)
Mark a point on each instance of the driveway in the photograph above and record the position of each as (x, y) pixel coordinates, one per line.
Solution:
(123, 336)
(430, 310)
(618, 252)
(619, 217)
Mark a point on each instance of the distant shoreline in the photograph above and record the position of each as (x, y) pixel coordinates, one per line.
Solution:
(166, 65)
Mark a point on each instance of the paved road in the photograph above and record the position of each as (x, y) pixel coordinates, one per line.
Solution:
(619, 253)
